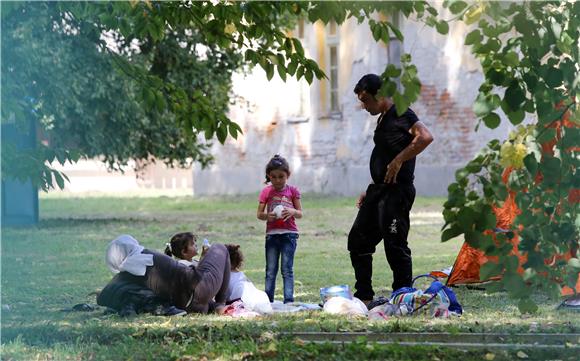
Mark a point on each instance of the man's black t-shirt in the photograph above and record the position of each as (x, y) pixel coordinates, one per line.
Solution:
(391, 137)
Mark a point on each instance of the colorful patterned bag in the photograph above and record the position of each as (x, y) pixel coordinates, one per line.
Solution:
(437, 300)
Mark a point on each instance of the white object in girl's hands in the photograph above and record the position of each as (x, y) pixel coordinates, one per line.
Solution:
(278, 210)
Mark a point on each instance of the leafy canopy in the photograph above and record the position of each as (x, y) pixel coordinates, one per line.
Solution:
(137, 80)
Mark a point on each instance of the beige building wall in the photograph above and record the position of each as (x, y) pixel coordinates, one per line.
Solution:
(92, 176)
(328, 149)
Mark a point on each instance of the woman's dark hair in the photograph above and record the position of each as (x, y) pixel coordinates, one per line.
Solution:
(370, 83)
(236, 256)
(178, 244)
(276, 163)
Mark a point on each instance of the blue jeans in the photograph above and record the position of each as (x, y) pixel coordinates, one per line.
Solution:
(280, 245)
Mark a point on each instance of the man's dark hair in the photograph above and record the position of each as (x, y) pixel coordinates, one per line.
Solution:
(370, 83)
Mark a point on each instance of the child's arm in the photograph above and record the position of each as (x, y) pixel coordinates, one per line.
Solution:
(263, 215)
(296, 212)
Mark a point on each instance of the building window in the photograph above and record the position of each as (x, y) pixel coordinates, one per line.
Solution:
(334, 78)
(302, 108)
(300, 29)
(333, 65)
(332, 28)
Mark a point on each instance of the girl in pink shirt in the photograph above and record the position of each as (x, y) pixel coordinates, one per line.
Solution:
(279, 205)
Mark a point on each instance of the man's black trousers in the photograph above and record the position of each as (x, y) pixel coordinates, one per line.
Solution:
(383, 215)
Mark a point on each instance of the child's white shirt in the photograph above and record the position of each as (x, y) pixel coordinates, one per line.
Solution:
(235, 288)
(185, 262)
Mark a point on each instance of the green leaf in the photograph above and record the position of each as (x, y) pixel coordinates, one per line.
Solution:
(466, 218)
(546, 135)
(149, 97)
(486, 220)
(526, 305)
(269, 71)
(308, 75)
(282, 71)
(488, 270)
(550, 168)
(546, 112)
(514, 96)
(400, 103)
(514, 284)
(474, 37)
(390, 88)
(482, 105)
(492, 120)
(531, 163)
(511, 59)
(288, 45)
(516, 117)
(298, 47)
(159, 102)
(59, 179)
(208, 133)
(222, 132)
(457, 6)
(496, 76)
(376, 31)
(392, 71)
(523, 200)
(300, 72)
(450, 233)
(554, 77)
(233, 131)
(292, 68)
(398, 33)
(442, 27)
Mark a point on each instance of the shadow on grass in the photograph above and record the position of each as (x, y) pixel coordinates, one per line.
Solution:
(108, 329)
(93, 221)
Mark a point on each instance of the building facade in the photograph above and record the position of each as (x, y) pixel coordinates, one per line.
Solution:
(321, 129)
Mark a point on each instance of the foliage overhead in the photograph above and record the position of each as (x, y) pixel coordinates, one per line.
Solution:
(529, 53)
(136, 80)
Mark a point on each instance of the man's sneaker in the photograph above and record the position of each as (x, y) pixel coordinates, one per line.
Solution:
(366, 302)
(173, 311)
(377, 302)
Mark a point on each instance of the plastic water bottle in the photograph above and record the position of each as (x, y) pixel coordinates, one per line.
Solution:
(205, 246)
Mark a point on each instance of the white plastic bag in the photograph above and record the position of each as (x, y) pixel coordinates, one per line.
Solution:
(343, 306)
(253, 298)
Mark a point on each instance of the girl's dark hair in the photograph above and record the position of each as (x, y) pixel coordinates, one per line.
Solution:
(178, 244)
(236, 256)
(276, 163)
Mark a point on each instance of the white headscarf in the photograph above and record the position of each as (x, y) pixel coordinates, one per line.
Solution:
(124, 254)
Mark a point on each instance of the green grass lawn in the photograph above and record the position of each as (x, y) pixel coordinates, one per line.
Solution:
(61, 263)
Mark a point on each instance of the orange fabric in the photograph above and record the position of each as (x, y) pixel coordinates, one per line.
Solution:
(469, 259)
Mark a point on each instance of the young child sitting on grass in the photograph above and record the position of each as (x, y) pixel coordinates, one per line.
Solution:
(183, 246)
(240, 286)
(237, 277)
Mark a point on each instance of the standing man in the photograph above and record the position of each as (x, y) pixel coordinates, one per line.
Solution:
(384, 208)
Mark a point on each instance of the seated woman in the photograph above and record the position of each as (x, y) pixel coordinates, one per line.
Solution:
(140, 270)
(183, 246)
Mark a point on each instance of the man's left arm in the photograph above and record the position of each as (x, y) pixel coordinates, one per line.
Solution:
(421, 139)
